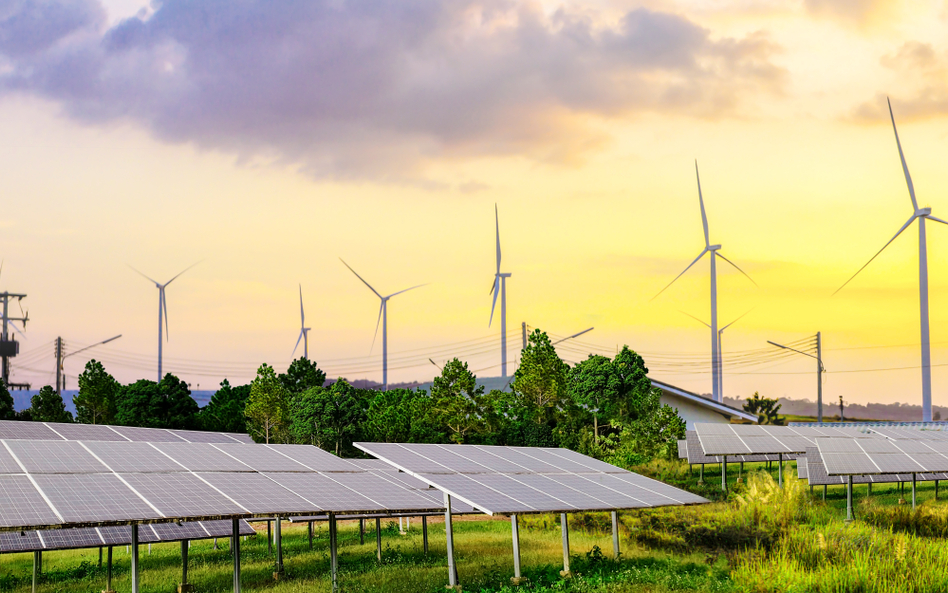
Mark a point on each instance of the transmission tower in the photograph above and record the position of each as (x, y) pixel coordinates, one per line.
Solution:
(9, 347)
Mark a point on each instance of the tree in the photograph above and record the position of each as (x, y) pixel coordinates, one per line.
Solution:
(634, 396)
(457, 401)
(48, 406)
(329, 417)
(398, 416)
(7, 409)
(267, 407)
(765, 408)
(301, 375)
(98, 390)
(542, 379)
(593, 385)
(157, 405)
(225, 411)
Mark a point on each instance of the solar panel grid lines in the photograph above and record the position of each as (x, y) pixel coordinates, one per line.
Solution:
(314, 458)
(181, 494)
(261, 459)
(200, 436)
(466, 489)
(84, 498)
(201, 457)
(24, 503)
(374, 488)
(31, 430)
(682, 449)
(54, 457)
(518, 461)
(801, 467)
(131, 457)
(571, 461)
(85, 432)
(522, 492)
(148, 435)
(695, 452)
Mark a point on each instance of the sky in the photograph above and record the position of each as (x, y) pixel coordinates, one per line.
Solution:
(267, 140)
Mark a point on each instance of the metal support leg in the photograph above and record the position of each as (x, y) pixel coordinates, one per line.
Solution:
(615, 534)
(378, 539)
(235, 550)
(724, 474)
(269, 537)
(37, 561)
(869, 491)
(701, 475)
(824, 491)
(913, 492)
(936, 489)
(184, 587)
(333, 556)
(134, 545)
(424, 533)
(310, 535)
(108, 572)
(278, 543)
(564, 527)
(100, 556)
(780, 469)
(449, 536)
(849, 500)
(361, 532)
(515, 536)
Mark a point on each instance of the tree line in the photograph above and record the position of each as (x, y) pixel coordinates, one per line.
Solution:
(602, 406)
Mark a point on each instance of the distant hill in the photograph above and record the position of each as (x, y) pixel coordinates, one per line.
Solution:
(897, 412)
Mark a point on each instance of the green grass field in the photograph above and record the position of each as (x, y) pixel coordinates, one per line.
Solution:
(757, 538)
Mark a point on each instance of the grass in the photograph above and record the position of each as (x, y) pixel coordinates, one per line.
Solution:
(755, 538)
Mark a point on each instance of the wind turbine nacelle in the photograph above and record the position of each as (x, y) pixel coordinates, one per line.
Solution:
(9, 347)
(923, 212)
(713, 247)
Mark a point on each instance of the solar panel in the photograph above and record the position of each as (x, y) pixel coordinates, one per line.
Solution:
(201, 457)
(132, 457)
(23, 504)
(64, 539)
(19, 541)
(801, 467)
(379, 491)
(372, 465)
(527, 479)
(695, 453)
(14, 429)
(54, 457)
(327, 490)
(314, 458)
(181, 495)
(262, 458)
(148, 435)
(86, 498)
(200, 436)
(683, 449)
(259, 494)
(85, 432)
(8, 465)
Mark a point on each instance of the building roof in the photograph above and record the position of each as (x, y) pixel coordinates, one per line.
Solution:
(700, 400)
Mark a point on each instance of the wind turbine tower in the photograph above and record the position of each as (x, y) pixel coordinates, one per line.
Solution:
(304, 331)
(714, 250)
(720, 383)
(162, 310)
(383, 320)
(500, 287)
(921, 215)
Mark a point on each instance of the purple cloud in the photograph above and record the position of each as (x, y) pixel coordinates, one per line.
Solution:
(359, 89)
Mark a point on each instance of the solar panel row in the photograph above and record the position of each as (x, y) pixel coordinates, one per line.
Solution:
(883, 456)
(55, 431)
(90, 537)
(75, 483)
(516, 480)
(748, 439)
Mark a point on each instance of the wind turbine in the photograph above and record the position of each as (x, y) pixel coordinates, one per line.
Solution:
(919, 214)
(500, 287)
(304, 331)
(720, 347)
(714, 251)
(383, 319)
(162, 309)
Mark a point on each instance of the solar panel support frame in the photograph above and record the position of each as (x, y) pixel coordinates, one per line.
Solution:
(37, 563)
(278, 544)
(235, 551)
(564, 527)
(615, 535)
(849, 499)
(424, 533)
(333, 557)
(515, 537)
(184, 587)
(449, 536)
(108, 572)
(134, 550)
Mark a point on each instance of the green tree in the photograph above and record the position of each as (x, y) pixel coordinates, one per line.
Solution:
(765, 408)
(96, 401)
(7, 409)
(329, 417)
(167, 404)
(633, 396)
(225, 411)
(268, 407)
(398, 416)
(301, 375)
(48, 406)
(593, 385)
(542, 380)
(457, 401)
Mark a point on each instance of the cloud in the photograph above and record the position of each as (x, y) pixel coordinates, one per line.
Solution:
(923, 86)
(353, 89)
(855, 12)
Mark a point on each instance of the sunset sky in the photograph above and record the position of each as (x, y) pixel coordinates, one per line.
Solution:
(268, 139)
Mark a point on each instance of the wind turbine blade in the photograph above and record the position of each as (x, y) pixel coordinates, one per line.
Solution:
(930, 217)
(406, 290)
(737, 268)
(704, 217)
(497, 221)
(302, 315)
(700, 255)
(495, 290)
(377, 324)
(908, 178)
(904, 226)
(181, 272)
(360, 278)
(143, 275)
(298, 340)
(735, 321)
(695, 318)
(164, 307)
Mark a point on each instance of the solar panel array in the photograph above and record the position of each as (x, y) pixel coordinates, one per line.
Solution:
(91, 537)
(516, 480)
(45, 484)
(748, 439)
(817, 476)
(56, 431)
(695, 454)
(908, 434)
(846, 457)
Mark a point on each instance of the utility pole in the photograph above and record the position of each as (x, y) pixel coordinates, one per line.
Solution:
(840, 408)
(10, 347)
(523, 327)
(819, 378)
(59, 366)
